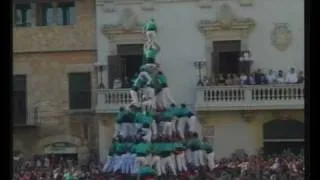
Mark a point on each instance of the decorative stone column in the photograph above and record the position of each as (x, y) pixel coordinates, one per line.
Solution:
(34, 14)
(55, 13)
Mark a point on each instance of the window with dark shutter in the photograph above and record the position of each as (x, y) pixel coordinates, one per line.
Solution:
(19, 99)
(79, 90)
(115, 69)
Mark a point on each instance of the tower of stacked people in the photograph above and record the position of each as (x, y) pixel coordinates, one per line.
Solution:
(154, 136)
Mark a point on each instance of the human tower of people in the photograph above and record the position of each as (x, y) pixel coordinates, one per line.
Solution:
(155, 136)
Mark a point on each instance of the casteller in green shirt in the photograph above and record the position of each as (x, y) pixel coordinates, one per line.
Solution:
(167, 148)
(142, 148)
(207, 147)
(194, 144)
(138, 117)
(167, 115)
(183, 111)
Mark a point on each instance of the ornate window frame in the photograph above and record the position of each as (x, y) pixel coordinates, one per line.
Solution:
(224, 28)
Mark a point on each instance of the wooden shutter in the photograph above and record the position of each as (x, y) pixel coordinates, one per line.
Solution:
(80, 90)
(115, 69)
(214, 64)
(19, 99)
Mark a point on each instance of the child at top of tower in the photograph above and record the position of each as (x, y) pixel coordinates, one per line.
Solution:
(150, 28)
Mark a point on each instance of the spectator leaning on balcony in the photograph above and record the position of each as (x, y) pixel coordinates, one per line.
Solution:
(221, 80)
(117, 83)
(243, 78)
(236, 79)
(301, 77)
(126, 83)
(271, 77)
(259, 77)
(292, 77)
(229, 80)
(250, 80)
(280, 77)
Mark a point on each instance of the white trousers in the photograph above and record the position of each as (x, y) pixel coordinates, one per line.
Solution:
(174, 123)
(189, 156)
(167, 128)
(181, 162)
(149, 93)
(151, 36)
(182, 122)
(157, 164)
(127, 129)
(116, 130)
(134, 97)
(197, 158)
(210, 160)
(140, 161)
(148, 135)
(159, 100)
(167, 162)
(167, 97)
(154, 128)
(193, 124)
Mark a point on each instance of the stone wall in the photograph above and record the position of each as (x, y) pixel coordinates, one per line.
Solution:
(80, 36)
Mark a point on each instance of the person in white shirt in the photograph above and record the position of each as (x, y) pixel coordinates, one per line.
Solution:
(117, 84)
(243, 78)
(271, 77)
(292, 77)
(280, 78)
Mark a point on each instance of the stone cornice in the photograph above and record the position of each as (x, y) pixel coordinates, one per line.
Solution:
(114, 32)
(125, 2)
(244, 26)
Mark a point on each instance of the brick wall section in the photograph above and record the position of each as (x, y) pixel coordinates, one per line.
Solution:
(47, 87)
(47, 76)
(80, 36)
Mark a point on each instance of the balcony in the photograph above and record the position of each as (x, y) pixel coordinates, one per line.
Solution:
(110, 100)
(257, 97)
(219, 98)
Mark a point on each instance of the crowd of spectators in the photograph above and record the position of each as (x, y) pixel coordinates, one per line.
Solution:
(255, 78)
(284, 166)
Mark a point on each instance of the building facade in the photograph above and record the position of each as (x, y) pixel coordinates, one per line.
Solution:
(53, 54)
(212, 34)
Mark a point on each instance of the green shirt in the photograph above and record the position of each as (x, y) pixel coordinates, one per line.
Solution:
(166, 149)
(174, 110)
(121, 148)
(162, 79)
(167, 115)
(138, 117)
(139, 82)
(179, 146)
(150, 26)
(207, 147)
(147, 120)
(156, 148)
(142, 148)
(67, 176)
(147, 171)
(194, 144)
(150, 53)
(120, 116)
(183, 112)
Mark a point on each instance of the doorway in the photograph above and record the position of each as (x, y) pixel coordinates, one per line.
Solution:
(279, 147)
(279, 135)
(228, 62)
(225, 57)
